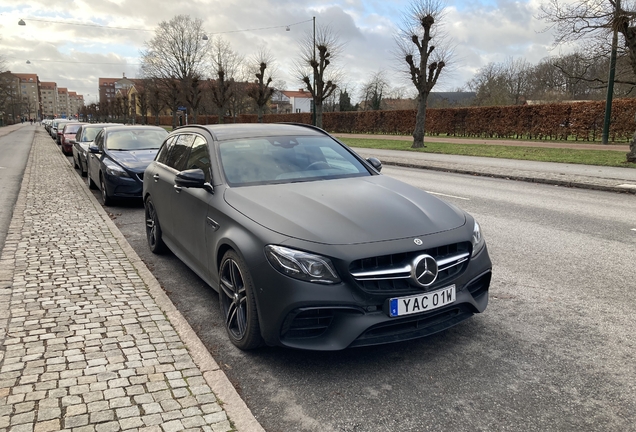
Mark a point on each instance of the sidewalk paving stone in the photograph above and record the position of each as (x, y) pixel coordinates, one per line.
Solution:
(87, 337)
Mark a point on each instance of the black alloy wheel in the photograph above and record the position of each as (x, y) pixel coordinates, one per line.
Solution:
(106, 199)
(238, 304)
(153, 229)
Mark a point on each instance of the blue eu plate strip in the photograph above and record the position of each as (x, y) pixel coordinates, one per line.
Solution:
(394, 307)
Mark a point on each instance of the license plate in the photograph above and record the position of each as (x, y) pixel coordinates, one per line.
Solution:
(422, 302)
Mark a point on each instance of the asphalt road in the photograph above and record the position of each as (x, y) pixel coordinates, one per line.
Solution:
(554, 351)
(14, 153)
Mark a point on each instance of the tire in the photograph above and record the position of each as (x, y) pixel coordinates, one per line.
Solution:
(91, 183)
(107, 200)
(153, 229)
(238, 305)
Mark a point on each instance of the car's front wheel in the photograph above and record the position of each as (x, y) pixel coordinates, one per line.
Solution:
(238, 305)
(153, 229)
(106, 199)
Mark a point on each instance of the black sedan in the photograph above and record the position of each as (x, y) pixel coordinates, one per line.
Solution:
(118, 157)
(83, 139)
(308, 245)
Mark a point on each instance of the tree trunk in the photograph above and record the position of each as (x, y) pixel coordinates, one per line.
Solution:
(174, 119)
(420, 122)
(318, 109)
(631, 156)
(260, 115)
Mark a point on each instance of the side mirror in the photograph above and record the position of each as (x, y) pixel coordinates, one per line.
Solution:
(193, 178)
(72, 141)
(375, 163)
(93, 149)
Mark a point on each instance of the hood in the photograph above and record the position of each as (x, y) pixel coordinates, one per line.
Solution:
(134, 160)
(345, 211)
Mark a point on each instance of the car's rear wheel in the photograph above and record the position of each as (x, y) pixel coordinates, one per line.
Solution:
(153, 229)
(238, 305)
(106, 199)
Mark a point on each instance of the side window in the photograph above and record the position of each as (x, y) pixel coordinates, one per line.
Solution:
(200, 157)
(162, 155)
(178, 155)
(99, 140)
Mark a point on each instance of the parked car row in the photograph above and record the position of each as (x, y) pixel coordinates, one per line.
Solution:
(306, 243)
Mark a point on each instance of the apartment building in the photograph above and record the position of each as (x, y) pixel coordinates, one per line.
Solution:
(30, 95)
(63, 106)
(48, 92)
(107, 90)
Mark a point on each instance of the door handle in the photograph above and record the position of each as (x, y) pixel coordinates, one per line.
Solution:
(156, 177)
(177, 189)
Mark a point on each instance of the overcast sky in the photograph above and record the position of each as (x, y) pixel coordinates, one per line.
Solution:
(75, 56)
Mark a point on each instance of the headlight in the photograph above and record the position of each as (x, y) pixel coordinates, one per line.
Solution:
(477, 239)
(117, 171)
(302, 265)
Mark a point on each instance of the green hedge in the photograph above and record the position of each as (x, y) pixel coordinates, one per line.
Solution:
(578, 120)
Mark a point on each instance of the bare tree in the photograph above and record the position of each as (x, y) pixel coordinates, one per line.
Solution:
(313, 67)
(507, 83)
(424, 61)
(176, 56)
(263, 68)
(488, 85)
(373, 90)
(226, 64)
(9, 96)
(591, 22)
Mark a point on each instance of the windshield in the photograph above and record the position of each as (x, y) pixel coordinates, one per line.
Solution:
(135, 139)
(287, 159)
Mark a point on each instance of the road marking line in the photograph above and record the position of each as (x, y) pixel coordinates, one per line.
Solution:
(450, 196)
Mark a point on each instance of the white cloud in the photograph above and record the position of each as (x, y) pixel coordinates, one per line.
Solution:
(75, 56)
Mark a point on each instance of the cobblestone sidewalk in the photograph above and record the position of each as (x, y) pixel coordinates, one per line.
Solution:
(87, 343)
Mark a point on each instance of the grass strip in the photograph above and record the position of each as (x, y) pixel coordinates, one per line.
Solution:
(584, 157)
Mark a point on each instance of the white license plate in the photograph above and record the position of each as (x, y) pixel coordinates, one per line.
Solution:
(422, 302)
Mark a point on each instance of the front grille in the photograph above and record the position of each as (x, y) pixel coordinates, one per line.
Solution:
(390, 274)
(414, 327)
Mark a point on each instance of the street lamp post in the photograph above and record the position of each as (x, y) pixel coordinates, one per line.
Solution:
(313, 117)
(610, 80)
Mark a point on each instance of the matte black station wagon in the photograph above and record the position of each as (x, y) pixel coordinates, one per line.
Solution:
(308, 245)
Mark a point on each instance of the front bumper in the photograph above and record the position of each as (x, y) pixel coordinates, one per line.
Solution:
(308, 316)
(124, 187)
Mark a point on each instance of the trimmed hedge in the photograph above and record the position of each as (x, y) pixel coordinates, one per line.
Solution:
(559, 121)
